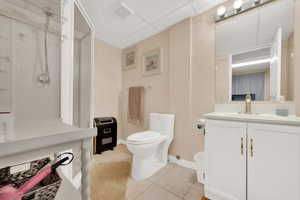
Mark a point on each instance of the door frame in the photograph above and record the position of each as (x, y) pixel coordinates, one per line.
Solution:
(67, 64)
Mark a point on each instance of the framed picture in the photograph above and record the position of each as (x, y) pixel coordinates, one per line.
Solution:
(152, 62)
(129, 58)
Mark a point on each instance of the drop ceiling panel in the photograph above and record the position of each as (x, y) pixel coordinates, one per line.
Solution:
(151, 17)
(175, 17)
(203, 5)
(151, 10)
(142, 34)
(106, 20)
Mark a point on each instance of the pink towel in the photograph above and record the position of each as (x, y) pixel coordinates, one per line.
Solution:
(136, 105)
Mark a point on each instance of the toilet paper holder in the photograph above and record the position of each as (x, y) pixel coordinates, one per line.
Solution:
(200, 125)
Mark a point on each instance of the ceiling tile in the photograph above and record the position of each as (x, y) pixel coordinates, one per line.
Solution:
(174, 17)
(151, 10)
(203, 5)
(140, 35)
(108, 23)
(160, 13)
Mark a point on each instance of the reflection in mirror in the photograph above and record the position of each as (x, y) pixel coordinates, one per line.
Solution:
(254, 54)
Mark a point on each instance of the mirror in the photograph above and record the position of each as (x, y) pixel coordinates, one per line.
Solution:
(254, 54)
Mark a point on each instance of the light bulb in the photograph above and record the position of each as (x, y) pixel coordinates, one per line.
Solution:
(237, 5)
(221, 11)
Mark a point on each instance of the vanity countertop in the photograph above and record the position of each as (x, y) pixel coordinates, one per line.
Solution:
(31, 135)
(255, 118)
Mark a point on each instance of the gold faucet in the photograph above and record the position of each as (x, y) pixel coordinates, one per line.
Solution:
(248, 104)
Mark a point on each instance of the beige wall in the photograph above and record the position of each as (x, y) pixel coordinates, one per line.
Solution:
(107, 80)
(297, 57)
(180, 77)
(157, 86)
(203, 73)
(186, 86)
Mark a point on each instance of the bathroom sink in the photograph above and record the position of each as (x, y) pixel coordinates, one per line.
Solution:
(255, 117)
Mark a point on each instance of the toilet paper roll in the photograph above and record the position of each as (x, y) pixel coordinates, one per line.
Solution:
(200, 124)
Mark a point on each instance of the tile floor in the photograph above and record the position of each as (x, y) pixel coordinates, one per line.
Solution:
(173, 182)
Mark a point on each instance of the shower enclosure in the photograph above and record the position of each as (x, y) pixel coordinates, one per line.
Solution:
(46, 67)
(30, 42)
(46, 49)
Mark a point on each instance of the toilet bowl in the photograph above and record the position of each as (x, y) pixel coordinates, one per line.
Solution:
(150, 148)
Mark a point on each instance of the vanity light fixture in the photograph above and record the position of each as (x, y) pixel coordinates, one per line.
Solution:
(237, 5)
(221, 11)
(256, 62)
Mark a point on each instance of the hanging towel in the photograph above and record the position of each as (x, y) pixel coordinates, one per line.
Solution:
(136, 105)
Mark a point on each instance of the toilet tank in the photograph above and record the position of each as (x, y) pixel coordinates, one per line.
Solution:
(162, 123)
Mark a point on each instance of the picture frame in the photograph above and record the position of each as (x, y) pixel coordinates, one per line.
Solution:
(129, 58)
(152, 62)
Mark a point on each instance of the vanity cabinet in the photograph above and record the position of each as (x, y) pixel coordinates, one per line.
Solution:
(273, 162)
(251, 161)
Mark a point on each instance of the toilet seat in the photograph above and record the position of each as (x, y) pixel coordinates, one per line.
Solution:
(145, 137)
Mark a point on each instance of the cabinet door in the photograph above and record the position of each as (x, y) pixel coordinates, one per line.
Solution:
(273, 162)
(225, 147)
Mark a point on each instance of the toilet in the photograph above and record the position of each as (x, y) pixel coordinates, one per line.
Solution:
(150, 148)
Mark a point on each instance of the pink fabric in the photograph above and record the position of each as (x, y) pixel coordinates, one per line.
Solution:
(10, 193)
(34, 181)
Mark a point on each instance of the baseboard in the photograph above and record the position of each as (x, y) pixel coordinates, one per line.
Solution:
(183, 163)
(121, 141)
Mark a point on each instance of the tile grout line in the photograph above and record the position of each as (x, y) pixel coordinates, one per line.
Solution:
(144, 191)
(190, 188)
(165, 189)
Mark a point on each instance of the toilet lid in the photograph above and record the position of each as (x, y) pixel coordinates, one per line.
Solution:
(144, 137)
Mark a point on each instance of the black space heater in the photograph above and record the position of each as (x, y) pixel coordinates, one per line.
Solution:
(106, 138)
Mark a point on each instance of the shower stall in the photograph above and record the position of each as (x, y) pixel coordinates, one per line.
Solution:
(46, 67)
(46, 49)
(30, 42)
